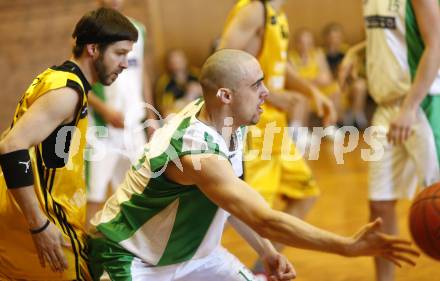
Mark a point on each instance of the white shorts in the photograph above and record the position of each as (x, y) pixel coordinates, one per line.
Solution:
(220, 265)
(403, 167)
(110, 158)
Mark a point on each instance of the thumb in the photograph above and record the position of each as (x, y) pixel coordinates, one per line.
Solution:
(319, 107)
(375, 225)
(64, 242)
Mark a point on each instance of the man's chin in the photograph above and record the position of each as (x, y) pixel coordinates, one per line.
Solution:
(108, 81)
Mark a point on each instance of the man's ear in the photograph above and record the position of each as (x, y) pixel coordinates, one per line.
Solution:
(92, 50)
(225, 95)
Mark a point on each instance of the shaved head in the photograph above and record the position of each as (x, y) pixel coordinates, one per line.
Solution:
(225, 68)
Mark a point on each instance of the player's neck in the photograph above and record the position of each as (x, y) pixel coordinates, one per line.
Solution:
(86, 69)
(218, 119)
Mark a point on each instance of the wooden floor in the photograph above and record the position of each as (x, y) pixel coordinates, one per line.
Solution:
(342, 208)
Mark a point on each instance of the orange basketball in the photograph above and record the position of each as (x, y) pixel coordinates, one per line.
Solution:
(424, 221)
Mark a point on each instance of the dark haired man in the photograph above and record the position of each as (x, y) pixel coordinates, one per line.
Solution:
(42, 190)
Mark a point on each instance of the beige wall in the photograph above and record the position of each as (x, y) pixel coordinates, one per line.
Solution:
(187, 25)
(36, 34)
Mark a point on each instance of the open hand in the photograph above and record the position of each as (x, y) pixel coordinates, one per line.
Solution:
(325, 108)
(370, 242)
(49, 245)
(400, 127)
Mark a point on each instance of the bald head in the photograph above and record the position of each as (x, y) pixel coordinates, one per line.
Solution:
(225, 68)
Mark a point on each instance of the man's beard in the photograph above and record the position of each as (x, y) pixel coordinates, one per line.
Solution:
(101, 71)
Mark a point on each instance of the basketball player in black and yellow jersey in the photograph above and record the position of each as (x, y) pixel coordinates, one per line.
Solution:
(42, 189)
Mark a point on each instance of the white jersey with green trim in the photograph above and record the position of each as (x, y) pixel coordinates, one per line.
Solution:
(394, 49)
(158, 220)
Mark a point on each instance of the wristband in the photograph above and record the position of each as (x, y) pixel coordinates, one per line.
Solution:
(17, 169)
(40, 229)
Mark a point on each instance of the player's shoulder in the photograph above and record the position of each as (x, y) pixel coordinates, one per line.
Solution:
(253, 12)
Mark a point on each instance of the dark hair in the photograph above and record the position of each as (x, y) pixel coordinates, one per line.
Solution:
(102, 26)
(333, 26)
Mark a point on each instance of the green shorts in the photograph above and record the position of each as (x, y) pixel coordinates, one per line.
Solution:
(106, 255)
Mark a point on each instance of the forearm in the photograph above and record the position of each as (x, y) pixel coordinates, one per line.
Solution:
(262, 246)
(25, 196)
(11, 143)
(97, 105)
(300, 85)
(323, 80)
(294, 232)
(26, 199)
(425, 75)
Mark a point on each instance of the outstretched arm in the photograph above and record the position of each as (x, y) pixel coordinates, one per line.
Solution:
(111, 116)
(347, 63)
(217, 181)
(45, 114)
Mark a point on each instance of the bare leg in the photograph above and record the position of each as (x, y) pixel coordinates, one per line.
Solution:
(301, 112)
(358, 97)
(387, 211)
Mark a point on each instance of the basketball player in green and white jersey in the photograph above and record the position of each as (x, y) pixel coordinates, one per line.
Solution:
(165, 221)
(403, 59)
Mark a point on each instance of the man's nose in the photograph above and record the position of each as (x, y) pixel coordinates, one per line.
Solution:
(265, 92)
(124, 63)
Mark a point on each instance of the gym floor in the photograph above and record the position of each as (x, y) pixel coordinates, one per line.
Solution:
(342, 208)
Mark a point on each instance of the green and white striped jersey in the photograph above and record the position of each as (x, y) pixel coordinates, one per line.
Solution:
(158, 220)
(394, 48)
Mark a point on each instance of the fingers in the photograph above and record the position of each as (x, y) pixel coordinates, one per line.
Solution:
(49, 248)
(286, 271)
(319, 107)
(394, 240)
(52, 261)
(397, 259)
(56, 260)
(392, 259)
(41, 257)
(65, 243)
(371, 227)
(287, 276)
(281, 266)
(398, 134)
(406, 250)
(61, 259)
(376, 224)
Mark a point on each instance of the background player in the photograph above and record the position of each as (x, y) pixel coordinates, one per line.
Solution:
(119, 109)
(403, 58)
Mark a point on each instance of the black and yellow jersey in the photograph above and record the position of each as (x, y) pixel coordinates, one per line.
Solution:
(59, 184)
(273, 60)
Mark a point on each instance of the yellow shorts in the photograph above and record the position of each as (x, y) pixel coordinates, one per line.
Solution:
(18, 256)
(271, 173)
